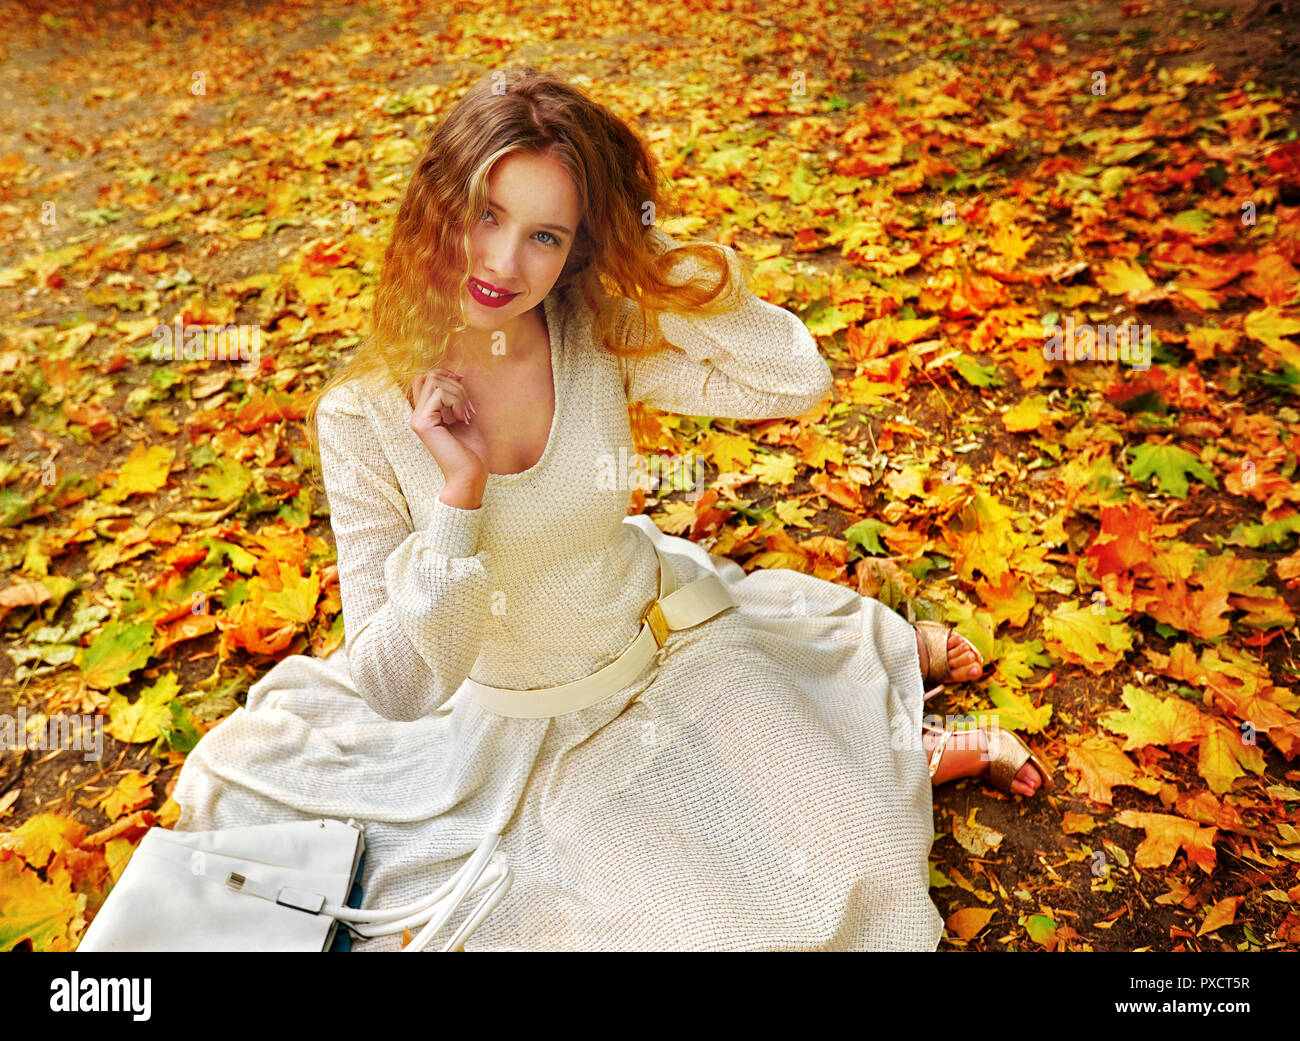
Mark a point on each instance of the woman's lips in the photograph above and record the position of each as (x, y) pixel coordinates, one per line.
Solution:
(476, 290)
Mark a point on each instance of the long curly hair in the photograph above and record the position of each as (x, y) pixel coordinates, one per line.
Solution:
(418, 303)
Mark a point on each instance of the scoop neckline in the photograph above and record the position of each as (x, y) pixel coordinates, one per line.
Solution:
(554, 346)
(553, 349)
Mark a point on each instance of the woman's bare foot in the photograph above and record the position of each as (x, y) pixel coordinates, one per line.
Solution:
(964, 756)
(963, 661)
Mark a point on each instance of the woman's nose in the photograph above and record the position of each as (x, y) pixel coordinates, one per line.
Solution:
(501, 257)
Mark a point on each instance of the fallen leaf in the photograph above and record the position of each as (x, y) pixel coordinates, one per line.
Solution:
(1221, 914)
(968, 921)
(1165, 835)
(974, 837)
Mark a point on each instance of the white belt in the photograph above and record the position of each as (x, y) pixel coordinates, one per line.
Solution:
(674, 608)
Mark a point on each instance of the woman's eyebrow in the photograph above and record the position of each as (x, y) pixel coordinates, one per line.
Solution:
(549, 227)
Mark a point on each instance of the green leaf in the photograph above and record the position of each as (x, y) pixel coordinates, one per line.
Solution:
(179, 733)
(1256, 536)
(224, 482)
(1040, 928)
(975, 374)
(116, 652)
(101, 215)
(865, 537)
(1169, 465)
(1195, 220)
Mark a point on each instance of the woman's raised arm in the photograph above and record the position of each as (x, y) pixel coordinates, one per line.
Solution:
(753, 360)
(414, 602)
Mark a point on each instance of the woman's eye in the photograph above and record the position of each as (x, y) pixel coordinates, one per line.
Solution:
(553, 240)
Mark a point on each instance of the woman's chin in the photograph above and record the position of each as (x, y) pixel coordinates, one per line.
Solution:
(487, 318)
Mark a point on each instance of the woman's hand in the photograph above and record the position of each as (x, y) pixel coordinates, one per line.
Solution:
(442, 415)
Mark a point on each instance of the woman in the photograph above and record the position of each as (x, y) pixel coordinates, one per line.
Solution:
(721, 772)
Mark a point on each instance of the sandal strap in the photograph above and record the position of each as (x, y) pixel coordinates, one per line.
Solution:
(935, 637)
(937, 755)
(1008, 755)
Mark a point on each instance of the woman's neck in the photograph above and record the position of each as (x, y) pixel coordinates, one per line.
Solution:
(518, 339)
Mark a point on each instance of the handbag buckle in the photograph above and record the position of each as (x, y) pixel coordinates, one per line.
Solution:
(654, 617)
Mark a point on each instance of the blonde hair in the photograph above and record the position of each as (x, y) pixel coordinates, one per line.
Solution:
(418, 295)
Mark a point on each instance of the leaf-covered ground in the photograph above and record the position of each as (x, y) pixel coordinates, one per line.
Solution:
(935, 188)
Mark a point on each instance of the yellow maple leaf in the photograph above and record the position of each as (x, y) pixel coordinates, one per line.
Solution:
(1223, 755)
(1009, 600)
(980, 538)
(1197, 72)
(778, 468)
(130, 793)
(31, 909)
(792, 515)
(143, 719)
(38, 838)
(168, 813)
(1270, 326)
(1029, 413)
(117, 853)
(1151, 720)
(729, 451)
(1011, 243)
(295, 600)
(1084, 636)
(676, 517)
(1124, 278)
(143, 473)
(908, 482)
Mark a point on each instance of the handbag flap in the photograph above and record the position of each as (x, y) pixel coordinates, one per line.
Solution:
(173, 894)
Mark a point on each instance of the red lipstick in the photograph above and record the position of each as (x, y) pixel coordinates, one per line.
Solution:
(479, 291)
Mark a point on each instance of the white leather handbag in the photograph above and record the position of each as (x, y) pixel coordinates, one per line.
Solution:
(272, 887)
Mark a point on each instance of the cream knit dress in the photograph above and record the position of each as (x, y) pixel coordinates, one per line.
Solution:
(760, 785)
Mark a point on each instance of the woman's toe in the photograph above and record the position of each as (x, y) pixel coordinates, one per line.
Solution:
(963, 660)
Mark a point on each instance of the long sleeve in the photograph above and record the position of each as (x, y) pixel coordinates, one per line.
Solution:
(753, 360)
(414, 602)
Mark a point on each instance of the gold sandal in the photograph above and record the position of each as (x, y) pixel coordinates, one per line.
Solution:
(1007, 754)
(935, 637)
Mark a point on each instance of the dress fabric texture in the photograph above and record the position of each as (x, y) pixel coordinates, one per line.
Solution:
(759, 786)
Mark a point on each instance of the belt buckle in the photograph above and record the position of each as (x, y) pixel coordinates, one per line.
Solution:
(654, 617)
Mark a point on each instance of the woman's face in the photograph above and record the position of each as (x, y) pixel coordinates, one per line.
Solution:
(520, 243)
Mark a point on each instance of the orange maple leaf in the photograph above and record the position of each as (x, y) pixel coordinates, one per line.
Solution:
(1165, 834)
(1196, 611)
(1124, 541)
(1102, 766)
